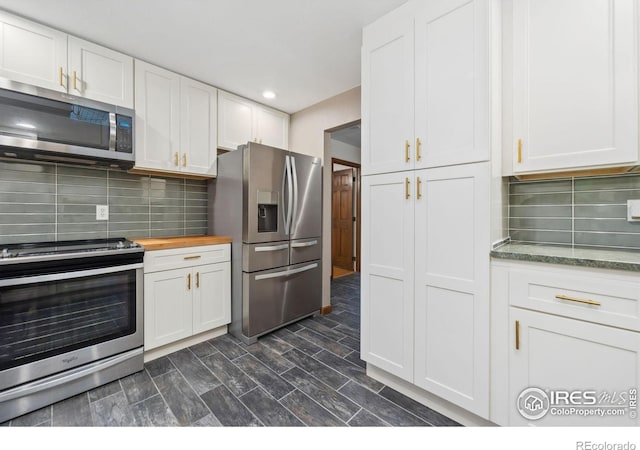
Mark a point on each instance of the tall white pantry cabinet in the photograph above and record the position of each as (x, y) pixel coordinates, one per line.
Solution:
(426, 117)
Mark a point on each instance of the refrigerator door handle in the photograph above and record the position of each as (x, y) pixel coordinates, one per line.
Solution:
(295, 194)
(286, 182)
(286, 273)
(304, 244)
(272, 248)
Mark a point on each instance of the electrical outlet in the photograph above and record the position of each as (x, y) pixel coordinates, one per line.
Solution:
(102, 212)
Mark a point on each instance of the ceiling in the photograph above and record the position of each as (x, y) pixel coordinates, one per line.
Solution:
(303, 50)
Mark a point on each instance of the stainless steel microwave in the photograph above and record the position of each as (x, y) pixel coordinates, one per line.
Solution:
(46, 125)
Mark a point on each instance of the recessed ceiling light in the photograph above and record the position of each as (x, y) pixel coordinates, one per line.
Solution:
(269, 95)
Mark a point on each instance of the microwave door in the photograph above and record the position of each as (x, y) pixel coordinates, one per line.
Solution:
(266, 180)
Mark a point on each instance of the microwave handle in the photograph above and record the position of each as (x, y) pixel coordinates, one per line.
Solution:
(112, 132)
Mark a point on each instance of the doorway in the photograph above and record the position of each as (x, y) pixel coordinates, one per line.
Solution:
(345, 200)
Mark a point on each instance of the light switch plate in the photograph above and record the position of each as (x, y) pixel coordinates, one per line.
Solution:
(102, 212)
(633, 210)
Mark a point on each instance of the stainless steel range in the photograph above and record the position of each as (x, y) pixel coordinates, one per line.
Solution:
(70, 319)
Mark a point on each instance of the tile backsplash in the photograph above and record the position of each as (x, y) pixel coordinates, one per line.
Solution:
(575, 211)
(46, 202)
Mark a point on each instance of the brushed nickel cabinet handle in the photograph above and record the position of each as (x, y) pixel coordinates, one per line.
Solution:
(578, 300)
(186, 258)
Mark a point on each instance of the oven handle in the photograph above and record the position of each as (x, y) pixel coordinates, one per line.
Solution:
(68, 275)
(67, 376)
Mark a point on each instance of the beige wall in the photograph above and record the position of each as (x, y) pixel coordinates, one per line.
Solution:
(307, 135)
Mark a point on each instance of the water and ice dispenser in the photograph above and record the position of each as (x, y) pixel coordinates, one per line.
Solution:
(267, 212)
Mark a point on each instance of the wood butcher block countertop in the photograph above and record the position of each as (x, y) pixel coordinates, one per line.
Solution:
(180, 241)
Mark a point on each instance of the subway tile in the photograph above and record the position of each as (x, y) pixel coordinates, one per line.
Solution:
(540, 224)
(540, 199)
(71, 184)
(78, 218)
(81, 172)
(605, 197)
(596, 211)
(608, 183)
(135, 204)
(26, 238)
(39, 228)
(128, 226)
(20, 219)
(167, 232)
(21, 187)
(552, 237)
(81, 235)
(608, 226)
(81, 199)
(539, 211)
(540, 187)
(87, 227)
(129, 192)
(27, 197)
(29, 209)
(607, 239)
(28, 176)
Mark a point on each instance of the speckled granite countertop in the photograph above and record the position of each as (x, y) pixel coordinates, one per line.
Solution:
(586, 257)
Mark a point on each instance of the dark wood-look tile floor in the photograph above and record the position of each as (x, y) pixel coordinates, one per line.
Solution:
(307, 374)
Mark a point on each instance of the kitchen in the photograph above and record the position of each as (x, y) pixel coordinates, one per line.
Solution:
(436, 309)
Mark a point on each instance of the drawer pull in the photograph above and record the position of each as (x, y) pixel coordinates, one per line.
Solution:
(189, 281)
(197, 279)
(517, 335)
(186, 258)
(577, 300)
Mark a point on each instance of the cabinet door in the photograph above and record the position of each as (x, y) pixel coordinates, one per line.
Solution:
(99, 73)
(157, 96)
(198, 137)
(271, 127)
(557, 353)
(33, 54)
(452, 238)
(387, 272)
(235, 121)
(575, 81)
(387, 94)
(211, 296)
(452, 109)
(167, 307)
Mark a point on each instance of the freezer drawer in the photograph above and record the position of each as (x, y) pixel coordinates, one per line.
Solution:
(271, 298)
(303, 250)
(264, 256)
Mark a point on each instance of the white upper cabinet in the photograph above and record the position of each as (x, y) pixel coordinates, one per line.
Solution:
(387, 93)
(426, 86)
(41, 56)
(175, 123)
(199, 109)
(157, 118)
(452, 109)
(241, 120)
(99, 73)
(575, 84)
(32, 53)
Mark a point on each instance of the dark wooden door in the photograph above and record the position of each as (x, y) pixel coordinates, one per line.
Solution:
(342, 219)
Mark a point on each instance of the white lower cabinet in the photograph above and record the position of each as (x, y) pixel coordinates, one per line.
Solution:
(572, 333)
(425, 289)
(193, 298)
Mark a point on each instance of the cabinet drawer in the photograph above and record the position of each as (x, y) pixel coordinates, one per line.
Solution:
(179, 258)
(601, 299)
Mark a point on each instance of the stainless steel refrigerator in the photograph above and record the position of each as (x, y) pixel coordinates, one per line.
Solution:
(269, 201)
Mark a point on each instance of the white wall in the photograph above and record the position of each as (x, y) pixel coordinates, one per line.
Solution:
(307, 135)
(344, 151)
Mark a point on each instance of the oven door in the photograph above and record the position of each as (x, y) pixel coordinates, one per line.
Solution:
(53, 321)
